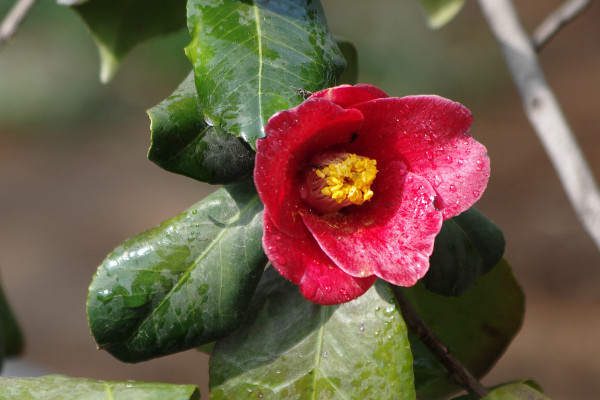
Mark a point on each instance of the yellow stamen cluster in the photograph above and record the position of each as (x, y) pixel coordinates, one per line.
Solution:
(349, 179)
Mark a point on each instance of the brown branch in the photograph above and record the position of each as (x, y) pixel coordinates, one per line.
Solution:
(556, 20)
(14, 18)
(457, 371)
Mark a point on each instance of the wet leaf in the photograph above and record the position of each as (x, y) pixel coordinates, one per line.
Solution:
(289, 348)
(58, 387)
(182, 284)
(440, 12)
(251, 59)
(476, 326)
(183, 143)
(119, 25)
(468, 246)
(524, 390)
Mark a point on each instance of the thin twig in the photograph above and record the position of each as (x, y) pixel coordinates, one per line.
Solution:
(14, 18)
(557, 20)
(458, 371)
(545, 115)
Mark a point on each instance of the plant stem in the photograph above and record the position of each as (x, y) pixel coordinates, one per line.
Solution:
(457, 371)
(545, 115)
(14, 18)
(556, 20)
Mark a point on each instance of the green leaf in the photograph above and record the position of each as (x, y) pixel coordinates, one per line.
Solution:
(183, 143)
(182, 284)
(58, 387)
(289, 348)
(119, 25)
(350, 74)
(440, 12)
(468, 246)
(11, 338)
(251, 58)
(476, 326)
(523, 390)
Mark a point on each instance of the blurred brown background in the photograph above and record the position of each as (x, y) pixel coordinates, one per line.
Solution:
(74, 180)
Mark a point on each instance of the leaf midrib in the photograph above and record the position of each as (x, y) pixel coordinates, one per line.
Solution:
(189, 270)
(319, 350)
(260, 63)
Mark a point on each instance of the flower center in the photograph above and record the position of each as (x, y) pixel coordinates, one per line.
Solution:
(337, 180)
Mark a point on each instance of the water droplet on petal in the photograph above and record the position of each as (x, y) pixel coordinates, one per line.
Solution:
(448, 160)
(344, 294)
(452, 188)
(476, 193)
(428, 155)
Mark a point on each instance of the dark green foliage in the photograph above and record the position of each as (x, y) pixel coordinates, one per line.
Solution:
(182, 284)
(251, 59)
(468, 246)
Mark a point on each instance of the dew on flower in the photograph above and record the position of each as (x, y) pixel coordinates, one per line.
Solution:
(340, 213)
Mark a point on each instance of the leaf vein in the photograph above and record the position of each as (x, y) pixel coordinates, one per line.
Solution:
(184, 277)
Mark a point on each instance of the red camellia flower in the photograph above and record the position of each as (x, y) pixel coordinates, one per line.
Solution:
(356, 186)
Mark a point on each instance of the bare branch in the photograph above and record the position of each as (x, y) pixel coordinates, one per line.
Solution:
(458, 371)
(14, 18)
(557, 20)
(545, 115)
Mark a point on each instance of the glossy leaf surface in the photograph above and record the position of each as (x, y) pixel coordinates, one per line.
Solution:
(183, 143)
(58, 387)
(524, 390)
(251, 58)
(182, 284)
(440, 12)
(476, 326)
(289, 348)
(468, 246)
(119, 25)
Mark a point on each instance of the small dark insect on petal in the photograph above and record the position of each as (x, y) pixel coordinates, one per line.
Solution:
(354, 136)
(304, 93)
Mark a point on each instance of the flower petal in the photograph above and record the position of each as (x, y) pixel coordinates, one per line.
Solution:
(430, 133)
(292, 136)
(391, 237)
(347, 96)
(303, 263)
